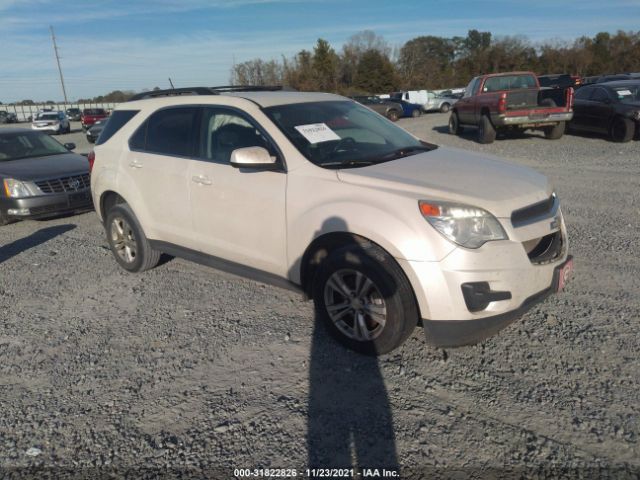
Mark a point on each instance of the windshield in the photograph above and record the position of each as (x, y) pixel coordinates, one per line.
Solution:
(343, 134)
(14, 146)
(630, 94)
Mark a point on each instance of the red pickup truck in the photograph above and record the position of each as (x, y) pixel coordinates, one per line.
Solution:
(92, 115)
(511, 102)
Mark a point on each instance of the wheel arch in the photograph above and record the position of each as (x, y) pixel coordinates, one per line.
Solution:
(108, 199)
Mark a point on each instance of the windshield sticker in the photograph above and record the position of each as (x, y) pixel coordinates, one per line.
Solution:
(317, 133)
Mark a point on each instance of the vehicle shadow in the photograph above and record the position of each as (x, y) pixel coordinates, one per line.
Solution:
(37, 238)
(350, 424)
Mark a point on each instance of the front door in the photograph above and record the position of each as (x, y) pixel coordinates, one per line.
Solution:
(239, 215)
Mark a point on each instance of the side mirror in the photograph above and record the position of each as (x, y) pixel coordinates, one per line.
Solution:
(70, 146)
(252, 157)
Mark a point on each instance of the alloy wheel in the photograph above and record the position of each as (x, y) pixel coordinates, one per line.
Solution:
(123, 239)
(355, 305)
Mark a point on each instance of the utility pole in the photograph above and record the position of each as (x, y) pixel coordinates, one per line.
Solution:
(55, 50)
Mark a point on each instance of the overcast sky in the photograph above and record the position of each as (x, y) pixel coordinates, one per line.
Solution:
(109, 44)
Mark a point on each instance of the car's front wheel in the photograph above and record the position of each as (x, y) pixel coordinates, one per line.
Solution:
(128, 242)
(364, 299)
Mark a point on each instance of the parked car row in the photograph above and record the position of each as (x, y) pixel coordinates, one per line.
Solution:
(8, 117)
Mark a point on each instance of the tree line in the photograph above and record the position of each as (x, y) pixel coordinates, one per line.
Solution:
(367, 63)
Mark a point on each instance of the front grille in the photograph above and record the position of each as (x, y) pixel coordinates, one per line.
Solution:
(73, 183)
(535, 212)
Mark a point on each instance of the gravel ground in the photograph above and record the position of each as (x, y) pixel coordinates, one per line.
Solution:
(186, 371)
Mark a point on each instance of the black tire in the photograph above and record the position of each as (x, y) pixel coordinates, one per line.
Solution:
(3, 220)
(556, 131)
(144, 257)
(393, 115)
(445, 107)
(389, 291)
(416, 113)
(486, 130)
(622, 129)
(454, 124)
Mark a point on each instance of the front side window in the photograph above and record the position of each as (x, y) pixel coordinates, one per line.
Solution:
(629, 94)
(223, 131)
(343, 134)
(600, 95)
(171, 131)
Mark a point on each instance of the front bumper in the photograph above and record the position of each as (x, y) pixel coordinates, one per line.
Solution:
(467, 332)
(46, 205)
(508, 282)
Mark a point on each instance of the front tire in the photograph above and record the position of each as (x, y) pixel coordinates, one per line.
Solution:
(454, 124)
(364, 299)
(416, 113)
(486, 130)
(622, 130)
(128, 242)
(445, 107)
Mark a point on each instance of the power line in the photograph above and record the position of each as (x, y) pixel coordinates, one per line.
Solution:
(55, 50)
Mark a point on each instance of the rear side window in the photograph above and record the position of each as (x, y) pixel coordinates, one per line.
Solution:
(583, 93)
(599, 95)
(171, 131)
(117, 120)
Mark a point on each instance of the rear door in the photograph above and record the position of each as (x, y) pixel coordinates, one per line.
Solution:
(158, 166)
(239, 215)
(581, 106)
(601, 110)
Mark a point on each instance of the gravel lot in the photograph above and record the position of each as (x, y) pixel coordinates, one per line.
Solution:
(187, 371)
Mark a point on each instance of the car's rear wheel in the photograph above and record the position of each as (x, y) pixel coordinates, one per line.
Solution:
(364, 299)
(556, 131)
(393, 115)
(445, 107)
(416, 113)
(622, 129)
(128, 242)
(486, 130)
(454, 124)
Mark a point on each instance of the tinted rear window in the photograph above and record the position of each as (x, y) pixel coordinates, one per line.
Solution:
(171, 131)
(117, 120)
(94, 111)
(509, 82)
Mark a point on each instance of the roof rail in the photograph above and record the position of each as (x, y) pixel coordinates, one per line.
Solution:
(210, 91)
(253, 88)
(174, 92)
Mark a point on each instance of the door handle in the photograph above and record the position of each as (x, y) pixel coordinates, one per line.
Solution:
(135, 164)
(202, 180)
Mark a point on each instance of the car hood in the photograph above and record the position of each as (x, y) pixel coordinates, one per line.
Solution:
(455, 175)
(51, 166)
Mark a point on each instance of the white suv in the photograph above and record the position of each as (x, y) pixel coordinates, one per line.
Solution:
(316, 192)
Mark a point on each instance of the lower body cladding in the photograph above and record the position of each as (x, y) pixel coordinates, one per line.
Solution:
(46, 205)
(472, 294)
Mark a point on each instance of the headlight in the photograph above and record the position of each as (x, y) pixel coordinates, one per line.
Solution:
(16, 188)
(467, 226)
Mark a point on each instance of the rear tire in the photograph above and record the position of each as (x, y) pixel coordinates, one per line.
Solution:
(454, 124)
(364, 299)
(555, 132)
(622, 129)
(393, 115)
(486, 130)
(445, 107)
(128, 242)
(416, 113)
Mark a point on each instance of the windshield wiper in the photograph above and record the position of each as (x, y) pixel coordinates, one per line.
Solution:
(348, 163)
(405, 152)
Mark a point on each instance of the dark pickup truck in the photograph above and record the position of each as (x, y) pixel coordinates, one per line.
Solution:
(511, 102)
